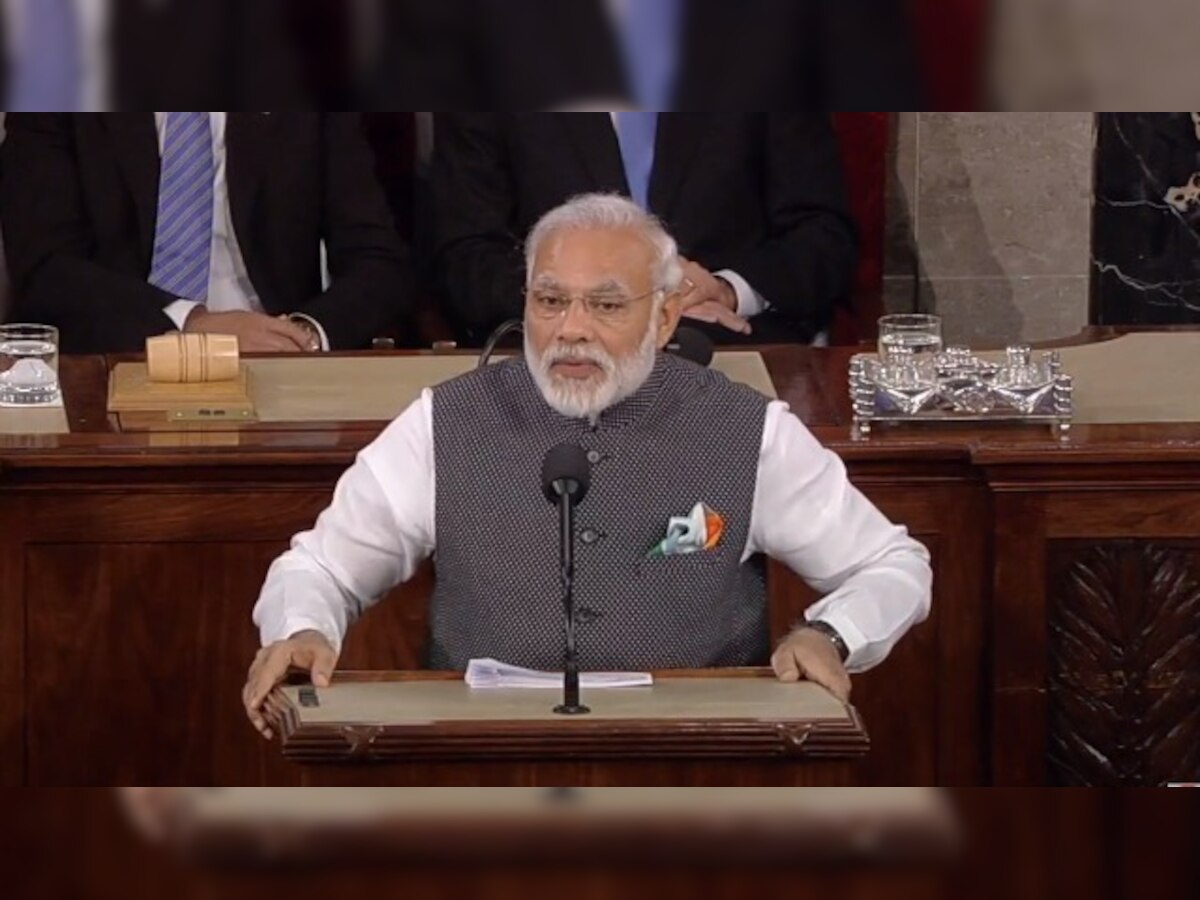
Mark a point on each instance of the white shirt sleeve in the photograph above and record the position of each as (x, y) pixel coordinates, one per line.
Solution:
(749, 301)
(877, 580)
(321, 336)
(179, 311)
(376, 532)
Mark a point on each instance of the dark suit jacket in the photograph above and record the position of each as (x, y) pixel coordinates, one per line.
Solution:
(78, 200)
(736, 55)
(759, 193)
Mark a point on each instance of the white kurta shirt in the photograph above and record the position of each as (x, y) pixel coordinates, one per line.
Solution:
(806, 514)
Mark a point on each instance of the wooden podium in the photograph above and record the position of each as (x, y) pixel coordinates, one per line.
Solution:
(714, 728)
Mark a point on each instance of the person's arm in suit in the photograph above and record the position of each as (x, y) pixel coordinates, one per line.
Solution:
(48, 243)
(479, 259)
(371, 285)
(806, 264)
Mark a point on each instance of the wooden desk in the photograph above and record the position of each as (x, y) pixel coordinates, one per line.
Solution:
(1062, 647)
(713, 728)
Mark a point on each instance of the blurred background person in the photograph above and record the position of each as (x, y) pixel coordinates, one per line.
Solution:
(549, 54)
(97, 55)
(756, 201)
(120, 226)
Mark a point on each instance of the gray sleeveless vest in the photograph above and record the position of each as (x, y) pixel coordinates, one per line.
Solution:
(689, 435)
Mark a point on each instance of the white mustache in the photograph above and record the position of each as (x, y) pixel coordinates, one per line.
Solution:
(579, 355)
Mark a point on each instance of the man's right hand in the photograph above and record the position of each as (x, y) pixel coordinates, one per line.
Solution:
(256, 332)
(306, 651)
(716, 314)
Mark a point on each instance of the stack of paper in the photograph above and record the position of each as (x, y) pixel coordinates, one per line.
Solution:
(491, 673)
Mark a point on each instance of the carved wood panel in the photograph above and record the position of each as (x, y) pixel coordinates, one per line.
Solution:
(1124, 666)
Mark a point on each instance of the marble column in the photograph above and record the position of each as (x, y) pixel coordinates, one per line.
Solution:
(1146, 223)
(988, 220)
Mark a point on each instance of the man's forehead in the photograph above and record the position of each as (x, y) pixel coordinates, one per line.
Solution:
(595, 283)
(620, 249)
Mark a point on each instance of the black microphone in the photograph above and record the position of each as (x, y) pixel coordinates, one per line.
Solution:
(691, 344)
(566, 475)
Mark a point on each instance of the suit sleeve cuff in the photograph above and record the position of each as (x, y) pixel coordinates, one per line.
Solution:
(317, 325)
(179, 311)
(749, 301)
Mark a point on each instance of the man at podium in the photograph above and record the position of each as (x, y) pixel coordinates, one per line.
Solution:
(668, 442)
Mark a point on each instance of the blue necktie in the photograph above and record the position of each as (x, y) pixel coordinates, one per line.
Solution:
(649, 32)
(183, 233)
(636, 133)
(47, 72)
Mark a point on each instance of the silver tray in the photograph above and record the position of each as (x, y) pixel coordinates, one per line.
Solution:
(872, 404)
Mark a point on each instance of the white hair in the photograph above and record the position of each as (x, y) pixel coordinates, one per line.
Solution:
(588, 212)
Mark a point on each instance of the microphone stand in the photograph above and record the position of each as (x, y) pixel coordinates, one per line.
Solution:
(566, 517)
(494, 339)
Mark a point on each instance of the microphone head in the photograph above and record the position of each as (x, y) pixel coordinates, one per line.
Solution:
(692, 344)
(566, 472)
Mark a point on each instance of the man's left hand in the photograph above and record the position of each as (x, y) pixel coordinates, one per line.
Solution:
(707, 288)
(716, 314)
(806, 653)
(711, 299)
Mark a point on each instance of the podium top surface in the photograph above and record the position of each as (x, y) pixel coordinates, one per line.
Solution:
(669, 699)
(731, 713)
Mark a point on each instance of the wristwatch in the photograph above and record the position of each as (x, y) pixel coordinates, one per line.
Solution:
(830, 632)
(314, 336)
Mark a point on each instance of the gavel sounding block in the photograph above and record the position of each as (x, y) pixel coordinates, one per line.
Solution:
(132, 394)
(744, 715)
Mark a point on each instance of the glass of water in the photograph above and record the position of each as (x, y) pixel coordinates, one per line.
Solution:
(29, 364)
(922, 334)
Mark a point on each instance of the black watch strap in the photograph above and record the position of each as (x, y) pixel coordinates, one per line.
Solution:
(832, 633)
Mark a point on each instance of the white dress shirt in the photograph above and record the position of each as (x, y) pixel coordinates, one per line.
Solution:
(229, 287)
(380, 527)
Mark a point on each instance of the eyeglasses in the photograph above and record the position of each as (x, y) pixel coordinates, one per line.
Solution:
(609, 308)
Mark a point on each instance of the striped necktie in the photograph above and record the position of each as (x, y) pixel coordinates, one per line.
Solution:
(183, 233)
(47, 70)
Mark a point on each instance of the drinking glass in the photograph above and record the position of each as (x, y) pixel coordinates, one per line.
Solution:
(922, 334)
(29, 364)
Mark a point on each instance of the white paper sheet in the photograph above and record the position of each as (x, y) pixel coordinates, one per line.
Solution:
(491, 673)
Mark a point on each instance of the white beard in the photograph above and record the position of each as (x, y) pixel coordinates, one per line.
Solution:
(586, 398)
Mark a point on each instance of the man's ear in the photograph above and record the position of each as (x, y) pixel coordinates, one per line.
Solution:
(669, 316)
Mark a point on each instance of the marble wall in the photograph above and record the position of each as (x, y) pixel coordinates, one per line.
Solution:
(1146, 242)
(989, 222)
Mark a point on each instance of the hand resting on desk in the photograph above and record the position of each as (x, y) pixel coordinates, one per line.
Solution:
(810, 655)
(256, 332)
(306, 651)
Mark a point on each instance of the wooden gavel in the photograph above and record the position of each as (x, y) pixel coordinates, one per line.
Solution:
(192, 358)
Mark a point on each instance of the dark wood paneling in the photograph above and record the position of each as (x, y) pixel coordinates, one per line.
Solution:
(1124, 679)
(1120, 513)
(171, 514)
(136, 645)
(12, 645)
(392, 635)
(1018, 640)
(608, 773)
